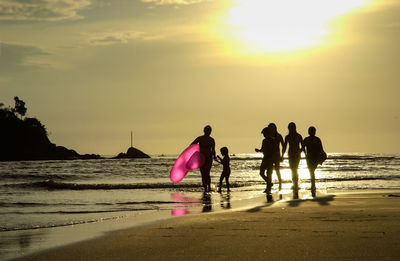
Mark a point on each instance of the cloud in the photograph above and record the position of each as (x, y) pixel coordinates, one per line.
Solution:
(173, 2)
(17, 58)
(123, 37)
(41, 10)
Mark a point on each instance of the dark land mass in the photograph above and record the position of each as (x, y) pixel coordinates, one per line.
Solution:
(132, 153)
(27, 139)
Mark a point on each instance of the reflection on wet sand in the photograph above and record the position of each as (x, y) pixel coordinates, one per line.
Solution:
(184, 205)
(207, 202)
(225, 201)
(20, 242)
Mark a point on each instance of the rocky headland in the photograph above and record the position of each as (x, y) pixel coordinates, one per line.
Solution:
(27, 138)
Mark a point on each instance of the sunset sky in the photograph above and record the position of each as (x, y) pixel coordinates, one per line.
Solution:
(92, 71)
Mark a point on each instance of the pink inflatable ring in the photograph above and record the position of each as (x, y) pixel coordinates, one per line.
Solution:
(190, 159)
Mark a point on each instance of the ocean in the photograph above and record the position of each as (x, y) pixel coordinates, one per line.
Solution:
(39, 198)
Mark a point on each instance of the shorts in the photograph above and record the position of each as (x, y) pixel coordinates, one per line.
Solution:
(266, 163)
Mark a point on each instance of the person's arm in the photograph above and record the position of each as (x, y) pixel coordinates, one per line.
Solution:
(281, 139)
(284, 145)
(219, 160)
(195, 141)
(301, 144)
(320, 144)
(213, 149)
(305, 141)
(262, 148)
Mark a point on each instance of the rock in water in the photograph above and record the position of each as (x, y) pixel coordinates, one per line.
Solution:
(132, 153)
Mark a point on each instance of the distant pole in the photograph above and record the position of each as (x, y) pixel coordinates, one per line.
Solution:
(131, 139)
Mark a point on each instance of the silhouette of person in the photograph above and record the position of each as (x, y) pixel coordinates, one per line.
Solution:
(295, 142)
(207, 148)
(313, 150)
(276, 157)
(226, 170)
(267, 162)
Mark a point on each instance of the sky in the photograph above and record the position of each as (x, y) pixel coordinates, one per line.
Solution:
(92, 71)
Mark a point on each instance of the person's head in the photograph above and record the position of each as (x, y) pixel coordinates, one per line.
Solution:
(312, 131)
(292, 127)
(224, 151)
(207, 130)
(265, 131)
(272, 128)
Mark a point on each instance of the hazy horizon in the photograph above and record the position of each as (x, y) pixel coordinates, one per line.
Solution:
(92, 71)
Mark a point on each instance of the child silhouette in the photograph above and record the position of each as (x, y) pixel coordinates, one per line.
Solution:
(226, 170)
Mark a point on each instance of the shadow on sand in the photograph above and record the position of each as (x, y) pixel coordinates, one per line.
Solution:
(293, 200)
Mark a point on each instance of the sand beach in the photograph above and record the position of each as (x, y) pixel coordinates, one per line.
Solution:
(337, 226)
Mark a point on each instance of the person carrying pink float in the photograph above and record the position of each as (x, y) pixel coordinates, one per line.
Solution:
(207, 149)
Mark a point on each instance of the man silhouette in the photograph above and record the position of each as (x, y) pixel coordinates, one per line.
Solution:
(207, 148)
(314, 154)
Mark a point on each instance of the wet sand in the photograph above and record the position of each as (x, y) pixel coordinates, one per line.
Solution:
(344, 226)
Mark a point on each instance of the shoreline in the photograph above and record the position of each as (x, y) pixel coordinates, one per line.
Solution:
(299, 220)
(25, 242)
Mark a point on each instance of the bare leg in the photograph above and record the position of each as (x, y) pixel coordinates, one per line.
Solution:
(262, 174)
(203, 179)
(205, 175)
(220, 183)
(294, 165)
(312, 175)
(269, 179)
(278, 173)
(295, 180)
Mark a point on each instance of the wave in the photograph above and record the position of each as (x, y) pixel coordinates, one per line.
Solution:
(34, 204)
(31, 205)
(79, 211)
(362, 157)
(70, 223)
(55, 185)
(38, 176)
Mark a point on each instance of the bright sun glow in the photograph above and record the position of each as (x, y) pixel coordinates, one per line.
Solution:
(282, 25)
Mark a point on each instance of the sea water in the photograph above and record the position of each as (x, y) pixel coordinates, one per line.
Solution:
(37, 196)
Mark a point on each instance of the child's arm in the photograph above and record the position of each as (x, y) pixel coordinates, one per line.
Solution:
(262, 147)
(218, 159)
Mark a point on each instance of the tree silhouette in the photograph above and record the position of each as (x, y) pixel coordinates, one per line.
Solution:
(19, 106)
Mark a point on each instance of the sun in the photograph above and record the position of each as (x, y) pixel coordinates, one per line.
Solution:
(284, 25)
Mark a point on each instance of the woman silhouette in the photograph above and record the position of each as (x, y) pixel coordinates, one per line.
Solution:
(295, 142)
